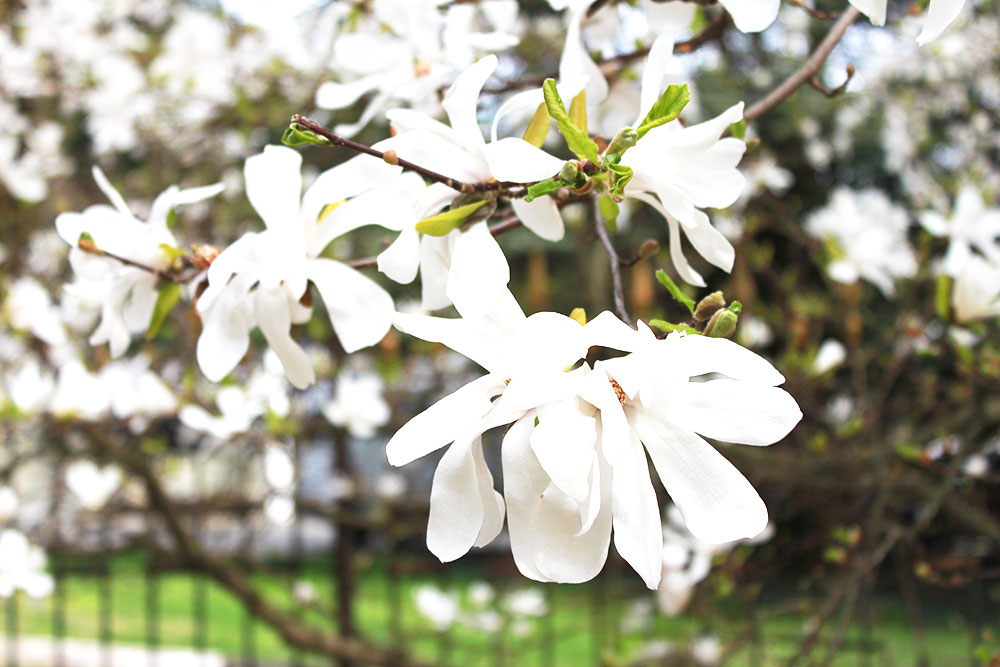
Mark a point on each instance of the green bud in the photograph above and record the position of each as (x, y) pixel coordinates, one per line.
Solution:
(609, 210)
(568, 172)
(723, 322)
(707, 306)
(624, 140)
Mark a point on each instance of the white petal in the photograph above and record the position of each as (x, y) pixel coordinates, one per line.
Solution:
(462, 98)
(873, 9)
(435, 258)
(458, 515)
(516, 160)
(523, 482)
(660, 55)
(401, 260)
(452, 417)
(110, 192)
(479, 273)
(563, 442)
(718, 503)
(710, 243)
(225, 332)
(752, 15)
(360, 311)
(518, 105)
(271, 310)
(637, 528)
(540, 216)
(274, 185)
(701, 355)
(940, 15)
(742, 412)
(457, 333)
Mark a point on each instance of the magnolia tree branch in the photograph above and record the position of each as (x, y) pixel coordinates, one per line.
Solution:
(809, 68)
(506, 188)
(616, 271)
(289, 626)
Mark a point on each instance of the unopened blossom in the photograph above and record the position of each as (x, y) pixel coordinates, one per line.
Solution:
(358, 403)
(262, 279)
(681, 170)
(976, 293)
(972, 226)
(940, 14)
(867, 233)
(128, 293)
(93, 485)
(22, 567)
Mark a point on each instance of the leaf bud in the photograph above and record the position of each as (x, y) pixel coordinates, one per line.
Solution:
(649, 248)
(723, 322)
(624, 140)
(708, 306)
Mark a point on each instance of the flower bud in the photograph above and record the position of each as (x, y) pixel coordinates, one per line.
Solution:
(723, 322)
(708, 306)
(649, 248)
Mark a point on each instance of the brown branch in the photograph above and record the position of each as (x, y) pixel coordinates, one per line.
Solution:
(289, 626)
(507, 188)
(616, 273)
(809, 68)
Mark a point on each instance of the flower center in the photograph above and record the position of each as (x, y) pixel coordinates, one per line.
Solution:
(619, 392)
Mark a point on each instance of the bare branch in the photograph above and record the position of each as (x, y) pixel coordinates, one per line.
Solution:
(615, 261)
(809, 68)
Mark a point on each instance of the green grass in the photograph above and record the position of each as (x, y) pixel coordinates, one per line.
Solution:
(577, 631)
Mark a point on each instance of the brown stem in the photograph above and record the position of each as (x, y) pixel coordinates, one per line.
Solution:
(615, 261)
(507, 188)
(808, 70)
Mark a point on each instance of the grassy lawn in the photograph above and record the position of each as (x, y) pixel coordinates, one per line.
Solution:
(582, 626)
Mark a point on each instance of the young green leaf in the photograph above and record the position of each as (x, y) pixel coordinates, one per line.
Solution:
(674, 290)
(739, 128)
(169, 294)
(663, 325)
(542, 188)
(620, 176)
(578, 110)
(445, 221)
(667, 108)
(608, 208)
(296, 136)
(538, 128)
(171, 252)
(577, 139)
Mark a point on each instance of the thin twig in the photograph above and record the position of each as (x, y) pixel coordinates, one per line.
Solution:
(615, 261)
(808, 69)
(507, 188)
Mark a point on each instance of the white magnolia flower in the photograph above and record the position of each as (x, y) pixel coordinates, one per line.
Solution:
(28, 306)
(869, 235)
(748, 15)
(680, 170)
(940, 14)
(526, 602)
(79, 393)
(976, 293)
(480, 594)
(262, 278)
(574, 460)
(30, 387)
(237, 412)
(91, 484)
(438, 607)
(22, 567)
(831, 353)
(128, 294)
(971, 225)
(459, 150)
(135, 390)
(8, 503)
(358, 403)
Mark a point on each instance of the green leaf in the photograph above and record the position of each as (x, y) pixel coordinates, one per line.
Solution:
(739, 128)
(445, 221)
(669, 327)
(171, 252)
(667, 108)
(576, 138)
(171, 218)
(674, 290)
(542, 188)
(620, 177)
(942, 297)
(609, 209)
(538, 128)
(578, 111)
(296, 136)
(169, 295)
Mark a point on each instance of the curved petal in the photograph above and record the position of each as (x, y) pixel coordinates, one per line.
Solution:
(710, 243)
(435, 258)
(274, 185)
(271, 310)
(225, 332)
(701, 355)
(940, 15)
(462, 98)
(741, 412)
(479, 273)
(521, 104)
(452, 417)
(563, 441)
(523, 482)
(465, 510)
(717, 502)
(874, 9)
(540, 216)
(401, 260)
(637, 527)
(359, 309)
(513, 159)
(110, 192)
(457, 333)
(660, 55)
(752, 15)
